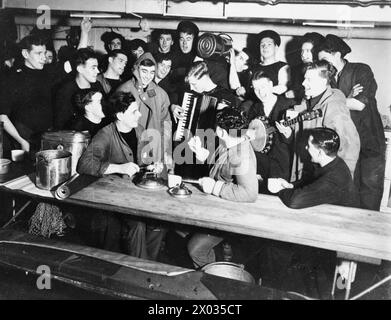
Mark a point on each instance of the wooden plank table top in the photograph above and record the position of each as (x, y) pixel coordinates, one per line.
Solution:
(350, 230)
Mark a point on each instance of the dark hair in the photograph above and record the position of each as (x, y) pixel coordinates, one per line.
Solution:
(82, 98)
(84, 54)
(315, 39)
(115, 53)
(119, 102)
(231, 119)
(198, 70)
(261, 74)
(136, 43)
(109, 36)
(159, 32)
(28, 42)
(188, 27)
(164, 57)
(147, 63)
(326, 70)
(325, 139)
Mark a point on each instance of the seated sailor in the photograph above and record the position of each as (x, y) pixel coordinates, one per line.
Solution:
(331, 181)
(117, 149)
(232, 176)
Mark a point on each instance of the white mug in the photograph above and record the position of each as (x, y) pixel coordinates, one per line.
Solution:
(174, 180)
(17, 155)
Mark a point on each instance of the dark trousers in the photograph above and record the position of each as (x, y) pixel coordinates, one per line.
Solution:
(142, 240)
(369, 179)
(108, 231)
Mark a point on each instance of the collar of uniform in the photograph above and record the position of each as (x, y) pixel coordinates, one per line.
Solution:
(328, 166)
(315, 100)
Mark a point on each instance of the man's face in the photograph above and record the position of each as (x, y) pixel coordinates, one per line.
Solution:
(165, 43)
(267, 48)
(95, 106)
(118, 63)
(138, 52)
(263, 88)
(329, 57)
(186, 42)
(241, 61)
(131, 116)
(196, 84)
(306, 52)
(313, 83)
(147, 74)
(89, 70)
(163, 68)
(115, 44)
(48, 57)
(313, 151)
(35, 58)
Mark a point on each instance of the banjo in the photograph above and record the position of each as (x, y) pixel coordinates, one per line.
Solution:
(264, 131)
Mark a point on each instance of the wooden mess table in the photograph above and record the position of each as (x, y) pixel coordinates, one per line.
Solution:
(355, 234)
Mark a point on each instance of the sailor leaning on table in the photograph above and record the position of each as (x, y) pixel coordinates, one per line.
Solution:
(117, 149)
(232, 175)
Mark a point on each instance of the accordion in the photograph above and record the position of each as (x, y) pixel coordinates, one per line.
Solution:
(199, 113)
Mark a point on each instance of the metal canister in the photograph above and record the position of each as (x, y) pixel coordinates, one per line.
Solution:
(53, 167)
(68, 140)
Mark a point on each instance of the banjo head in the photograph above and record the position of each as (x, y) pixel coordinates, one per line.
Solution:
(262, 136)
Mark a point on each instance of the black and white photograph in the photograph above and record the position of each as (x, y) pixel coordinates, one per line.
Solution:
(195, 154)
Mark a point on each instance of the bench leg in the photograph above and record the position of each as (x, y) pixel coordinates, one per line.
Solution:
(15, 215)
(350, 279)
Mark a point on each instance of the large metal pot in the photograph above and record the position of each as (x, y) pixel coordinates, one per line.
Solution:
(73, 141)
(229, 270)
(53, 167)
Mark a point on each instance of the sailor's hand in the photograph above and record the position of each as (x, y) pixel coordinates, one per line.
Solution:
(290, 94)
(25, 145)
(207, 184)
(240, 92)
(156, 167)
(356, 90)
(196, 146)
(177, 112)
(251, 134)
(129, 168)
(284, 130)
(86, 25)
(275, 185)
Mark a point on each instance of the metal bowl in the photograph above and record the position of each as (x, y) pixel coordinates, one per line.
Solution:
(180, 191)
(229, 270)
(4, 166)
(151, 181)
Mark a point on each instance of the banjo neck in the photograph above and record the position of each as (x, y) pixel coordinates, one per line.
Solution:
(309, 115)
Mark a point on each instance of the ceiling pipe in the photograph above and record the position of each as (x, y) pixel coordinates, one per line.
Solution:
(240, 27)
(353, 3)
